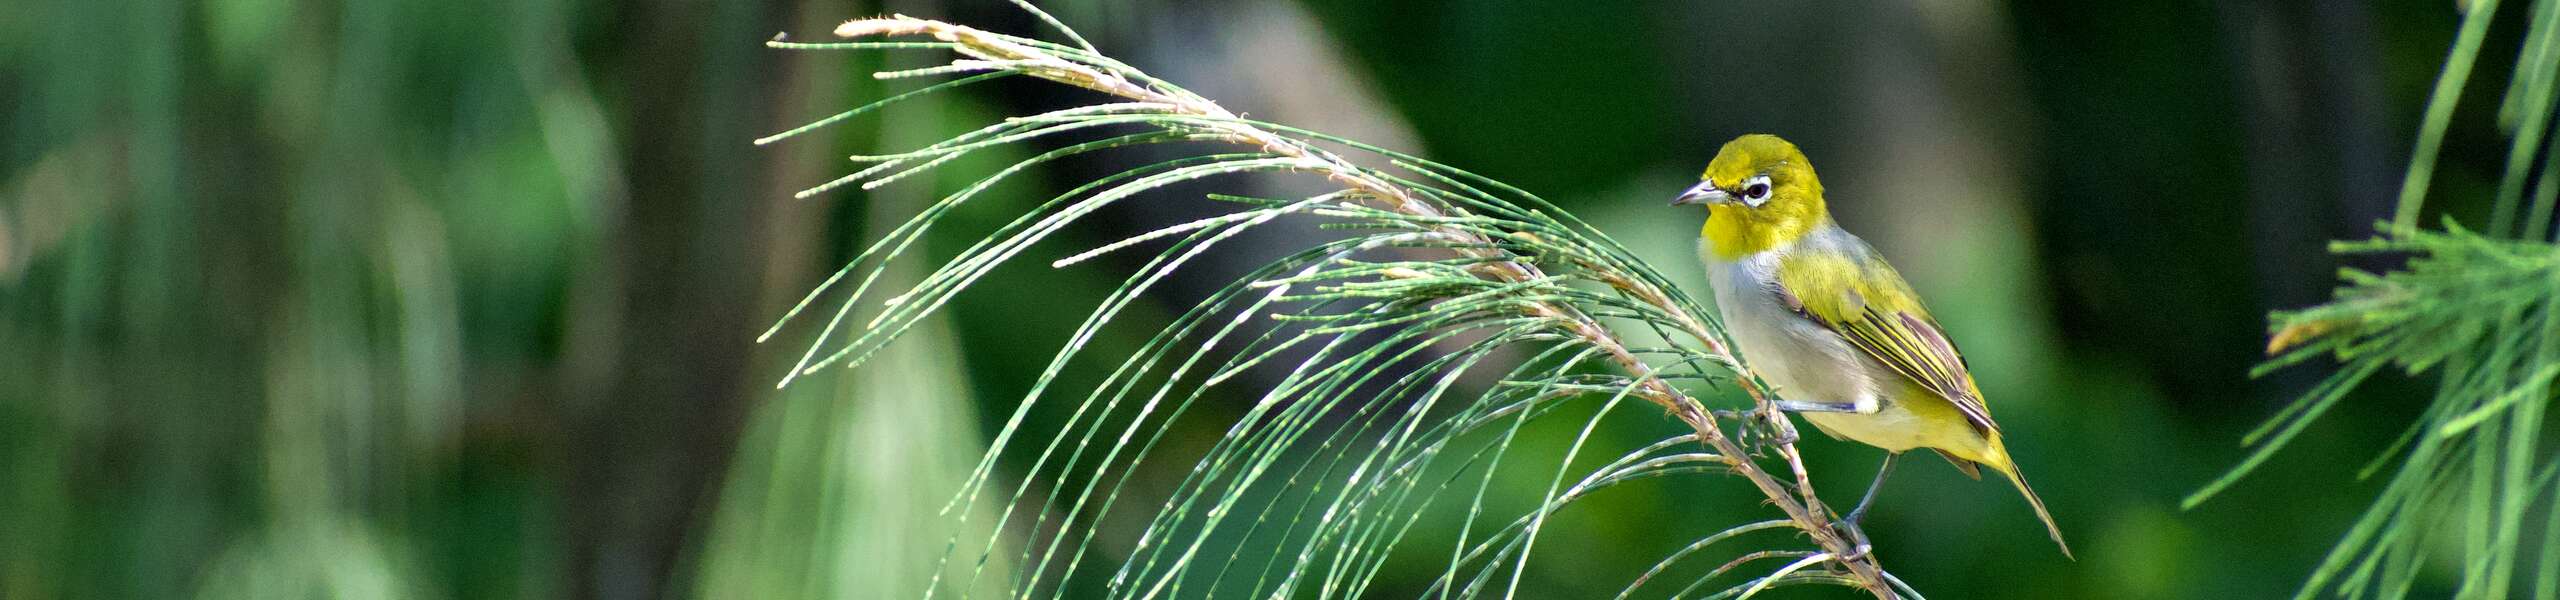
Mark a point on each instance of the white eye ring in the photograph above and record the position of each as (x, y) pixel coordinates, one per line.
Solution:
(1755, 191)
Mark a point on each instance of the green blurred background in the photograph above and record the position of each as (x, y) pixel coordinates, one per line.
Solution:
(458, 298)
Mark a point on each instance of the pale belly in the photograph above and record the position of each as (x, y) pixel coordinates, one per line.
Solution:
(1810, 363)
(1894, 428)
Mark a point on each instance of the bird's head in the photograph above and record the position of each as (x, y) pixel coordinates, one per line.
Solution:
(1760, 193)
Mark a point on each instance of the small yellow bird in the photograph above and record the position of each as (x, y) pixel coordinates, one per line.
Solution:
(1821, 315)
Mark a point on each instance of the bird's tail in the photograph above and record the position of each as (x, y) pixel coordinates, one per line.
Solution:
(2038, 504)
(2010, 468)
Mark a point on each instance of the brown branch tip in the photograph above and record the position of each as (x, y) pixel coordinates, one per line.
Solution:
(884, 26)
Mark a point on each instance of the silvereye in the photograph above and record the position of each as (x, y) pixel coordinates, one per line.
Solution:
(1821, 315)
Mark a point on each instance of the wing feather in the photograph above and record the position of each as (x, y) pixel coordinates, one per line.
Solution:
(1886, 323)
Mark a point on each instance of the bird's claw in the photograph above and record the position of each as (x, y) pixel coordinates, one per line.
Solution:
(1762, 430)
(1785, 437)
(1859, 546)
(1854, 555)
(1745, 433)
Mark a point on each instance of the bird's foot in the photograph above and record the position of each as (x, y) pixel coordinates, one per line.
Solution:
(1763, 430)
(1785, 434)
(1859, 546)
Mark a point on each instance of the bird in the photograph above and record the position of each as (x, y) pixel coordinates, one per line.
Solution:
(1819, 314)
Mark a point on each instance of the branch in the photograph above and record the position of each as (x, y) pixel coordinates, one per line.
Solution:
(1804, 510)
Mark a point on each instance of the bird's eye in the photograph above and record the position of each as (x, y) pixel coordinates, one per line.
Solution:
(1756, 191)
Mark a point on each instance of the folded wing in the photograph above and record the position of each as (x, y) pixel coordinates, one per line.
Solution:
(1854, 293)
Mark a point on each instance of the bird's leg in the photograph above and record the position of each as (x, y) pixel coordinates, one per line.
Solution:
(1800, 406)
(1803, 406)
(1850, 522)
(1872, 488)
(1860, 407)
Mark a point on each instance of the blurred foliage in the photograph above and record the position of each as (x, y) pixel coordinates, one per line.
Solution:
(457, 299)
(839, 489)
(2486, 312)
(2483, 309)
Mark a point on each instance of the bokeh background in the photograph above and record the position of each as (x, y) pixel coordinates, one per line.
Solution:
(458, 298)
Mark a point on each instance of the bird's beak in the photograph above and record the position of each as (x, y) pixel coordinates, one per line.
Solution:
(1703, 193)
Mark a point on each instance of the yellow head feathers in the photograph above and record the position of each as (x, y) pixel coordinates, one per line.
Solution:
(1760, 193)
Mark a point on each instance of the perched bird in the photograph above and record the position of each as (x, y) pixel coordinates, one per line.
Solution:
(1818, 313)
